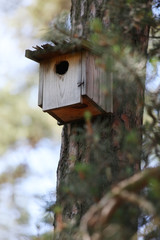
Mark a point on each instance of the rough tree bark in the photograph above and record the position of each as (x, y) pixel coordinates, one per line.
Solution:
(126, 115)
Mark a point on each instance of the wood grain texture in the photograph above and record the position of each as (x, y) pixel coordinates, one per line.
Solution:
(83, 72)
(98, 84)
(61, 90)
(40, 89)
(76, 112)
(64, 96)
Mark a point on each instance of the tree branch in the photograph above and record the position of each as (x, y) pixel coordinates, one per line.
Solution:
(100, 213)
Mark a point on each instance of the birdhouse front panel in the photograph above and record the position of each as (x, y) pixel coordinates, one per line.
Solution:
(60, 77)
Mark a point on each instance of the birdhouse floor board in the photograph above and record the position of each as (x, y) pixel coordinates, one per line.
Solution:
(76, 111)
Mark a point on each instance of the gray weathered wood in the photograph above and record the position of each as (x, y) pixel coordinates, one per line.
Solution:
(83, 76)
(84, 87)
(61, 90)
(97, 85)
(40, 90)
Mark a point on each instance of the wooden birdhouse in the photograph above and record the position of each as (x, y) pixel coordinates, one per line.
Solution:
(70, 82)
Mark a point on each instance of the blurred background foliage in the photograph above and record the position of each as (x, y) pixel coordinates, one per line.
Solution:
(25, 20)
(27, 134)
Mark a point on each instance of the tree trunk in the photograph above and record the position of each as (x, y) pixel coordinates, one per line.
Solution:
(78, 142)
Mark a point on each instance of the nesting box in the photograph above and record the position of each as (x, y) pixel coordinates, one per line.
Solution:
(71, 83)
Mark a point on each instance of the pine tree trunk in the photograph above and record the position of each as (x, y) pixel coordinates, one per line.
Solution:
(126, 115)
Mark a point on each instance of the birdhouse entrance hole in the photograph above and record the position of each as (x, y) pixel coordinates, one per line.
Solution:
(70, 83)
(62, 67)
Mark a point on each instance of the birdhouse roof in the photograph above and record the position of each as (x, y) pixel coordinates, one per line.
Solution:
(52, 49)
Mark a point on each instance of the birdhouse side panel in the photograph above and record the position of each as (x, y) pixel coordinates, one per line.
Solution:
(61, 88)
(83, 71)
(98, 84)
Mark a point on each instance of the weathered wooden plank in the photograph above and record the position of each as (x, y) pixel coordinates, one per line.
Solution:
(48, 50)
(62, 90)
(99, 85)
(96, 81)
(89, 76)
(76, 111)
(40, 89)
(83, 77)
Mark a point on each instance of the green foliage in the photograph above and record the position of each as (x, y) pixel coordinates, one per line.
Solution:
(87, 116)
(35, 17)
(96, 25)
(20, 122)
(46, 9)
(153, 61)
